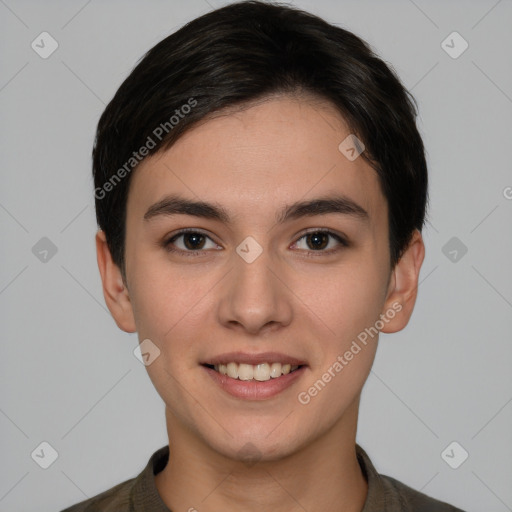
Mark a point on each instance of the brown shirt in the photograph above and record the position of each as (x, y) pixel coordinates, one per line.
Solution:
(385, 494)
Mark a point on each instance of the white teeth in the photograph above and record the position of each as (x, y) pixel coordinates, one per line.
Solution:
(260, 372)
(232, 370)
(245, 371)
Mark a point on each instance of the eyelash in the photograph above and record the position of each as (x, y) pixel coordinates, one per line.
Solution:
(167, 243)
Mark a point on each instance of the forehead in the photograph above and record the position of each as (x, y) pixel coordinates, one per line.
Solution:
(258, 159)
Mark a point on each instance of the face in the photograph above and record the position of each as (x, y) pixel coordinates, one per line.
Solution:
(254, 279)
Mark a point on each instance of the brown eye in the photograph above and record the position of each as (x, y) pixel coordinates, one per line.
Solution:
(193, 241)
(317, 241)
(189, 242)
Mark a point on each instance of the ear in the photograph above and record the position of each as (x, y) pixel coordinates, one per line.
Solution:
(403, 286)
(114, 289)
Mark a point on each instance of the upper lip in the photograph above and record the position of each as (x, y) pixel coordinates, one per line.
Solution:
(245, 358)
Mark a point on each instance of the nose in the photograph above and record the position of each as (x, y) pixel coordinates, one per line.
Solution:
(255, 296)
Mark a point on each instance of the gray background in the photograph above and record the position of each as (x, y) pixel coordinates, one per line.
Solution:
(68, 374)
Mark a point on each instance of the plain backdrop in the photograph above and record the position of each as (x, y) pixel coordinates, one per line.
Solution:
(69, 377)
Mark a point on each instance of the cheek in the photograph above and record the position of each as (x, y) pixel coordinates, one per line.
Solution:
(350, 307)
(158, 296)
(349, 301)
(170, 306)
(168, 311)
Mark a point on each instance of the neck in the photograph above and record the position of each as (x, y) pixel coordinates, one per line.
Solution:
(324, 476)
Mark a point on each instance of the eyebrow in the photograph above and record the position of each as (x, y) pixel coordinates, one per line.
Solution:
(175, 205)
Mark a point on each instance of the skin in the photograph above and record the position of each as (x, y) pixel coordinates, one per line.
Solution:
(252, 163)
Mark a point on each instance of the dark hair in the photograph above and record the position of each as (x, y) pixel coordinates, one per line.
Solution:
(244, 52)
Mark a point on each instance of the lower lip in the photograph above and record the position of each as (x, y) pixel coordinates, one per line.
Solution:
(254, 389)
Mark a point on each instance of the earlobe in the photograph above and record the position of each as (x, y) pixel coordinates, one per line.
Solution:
(403, 286)
(114, 289)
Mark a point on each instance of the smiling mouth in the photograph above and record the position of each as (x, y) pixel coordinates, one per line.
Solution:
(259, 372)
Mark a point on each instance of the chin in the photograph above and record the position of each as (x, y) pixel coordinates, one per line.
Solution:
(252, 447)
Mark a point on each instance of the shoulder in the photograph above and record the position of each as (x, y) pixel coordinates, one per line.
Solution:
(115, 499)
(139, 493)
(387, 494)
(409, 499)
